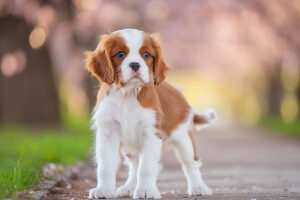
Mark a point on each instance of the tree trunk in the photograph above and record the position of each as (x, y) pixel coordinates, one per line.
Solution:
(29, 96)
(92, 86)
(298, 95)
(275, 89)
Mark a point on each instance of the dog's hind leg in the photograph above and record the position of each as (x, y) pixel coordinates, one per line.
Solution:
(185, 153)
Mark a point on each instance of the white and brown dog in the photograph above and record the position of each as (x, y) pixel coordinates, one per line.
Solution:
(136, 114)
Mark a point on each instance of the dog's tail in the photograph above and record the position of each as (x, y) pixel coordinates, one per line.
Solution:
(208, 117)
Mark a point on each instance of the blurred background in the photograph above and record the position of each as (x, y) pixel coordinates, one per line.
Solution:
(240, 57)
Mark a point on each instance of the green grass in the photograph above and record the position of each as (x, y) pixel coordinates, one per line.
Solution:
(23, 152)
(277, 124)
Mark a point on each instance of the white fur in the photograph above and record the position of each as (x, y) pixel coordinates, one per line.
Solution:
(127, 189)
(134, 40)
(210, 115)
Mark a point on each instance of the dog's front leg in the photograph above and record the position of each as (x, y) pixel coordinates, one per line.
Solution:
(148, 168)
(108, 158)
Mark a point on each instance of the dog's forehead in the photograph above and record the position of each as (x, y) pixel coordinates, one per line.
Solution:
(134, 38)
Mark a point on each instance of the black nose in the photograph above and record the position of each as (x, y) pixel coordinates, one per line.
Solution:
(134, 66)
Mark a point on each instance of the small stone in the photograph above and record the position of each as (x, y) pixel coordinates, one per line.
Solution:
(255, 187)
(86, 180)
(68, 186)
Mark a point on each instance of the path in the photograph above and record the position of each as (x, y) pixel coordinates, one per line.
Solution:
(239, 163)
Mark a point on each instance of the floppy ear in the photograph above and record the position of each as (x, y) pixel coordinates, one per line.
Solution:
(98, 62)
(160, 66)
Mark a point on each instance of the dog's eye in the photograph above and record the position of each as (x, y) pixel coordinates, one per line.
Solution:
(146, 55)
(120, 54)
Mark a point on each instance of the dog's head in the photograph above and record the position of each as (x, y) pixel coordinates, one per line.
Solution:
(128, 57)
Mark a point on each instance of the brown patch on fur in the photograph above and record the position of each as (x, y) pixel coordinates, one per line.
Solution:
(173, 105)
(104, 91)
(157, 65)
(148, 47)
(148, 98)
(99, 66)
(169, 104)
(199, 119)
(103, 62)
(194, 146)
(128, 155)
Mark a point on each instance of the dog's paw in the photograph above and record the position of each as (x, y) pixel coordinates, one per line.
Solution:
(210, 115)
(125, 191)
(102, 192)
(200, 190)
(142, 192)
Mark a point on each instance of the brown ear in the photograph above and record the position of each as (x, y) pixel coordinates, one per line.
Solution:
(98, 62)
(160, 66)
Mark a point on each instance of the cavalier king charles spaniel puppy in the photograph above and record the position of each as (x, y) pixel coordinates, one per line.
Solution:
(137, 113)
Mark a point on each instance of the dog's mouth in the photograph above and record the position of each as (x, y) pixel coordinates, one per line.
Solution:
(136, 76)
(137, 80)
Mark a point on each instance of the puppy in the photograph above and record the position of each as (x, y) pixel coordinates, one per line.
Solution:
(137, 112)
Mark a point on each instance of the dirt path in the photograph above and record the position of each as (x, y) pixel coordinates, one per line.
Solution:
(239, 163)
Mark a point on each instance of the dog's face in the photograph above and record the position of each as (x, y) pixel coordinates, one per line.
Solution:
(127, 57)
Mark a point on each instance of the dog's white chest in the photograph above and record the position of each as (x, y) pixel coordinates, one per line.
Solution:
(130, 115)
(124, 114)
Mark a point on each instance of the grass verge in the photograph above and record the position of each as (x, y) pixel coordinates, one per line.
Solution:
(23, 152)
(277, 124)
